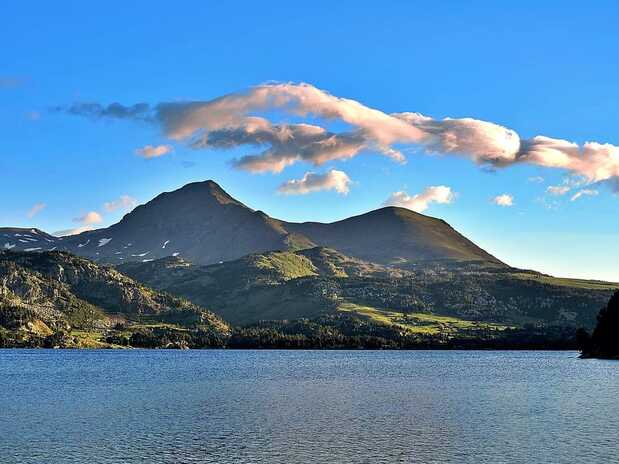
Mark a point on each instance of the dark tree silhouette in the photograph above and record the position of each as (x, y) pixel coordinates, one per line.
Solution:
(604, 342)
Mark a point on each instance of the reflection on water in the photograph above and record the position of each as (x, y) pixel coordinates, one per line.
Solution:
(306, 406)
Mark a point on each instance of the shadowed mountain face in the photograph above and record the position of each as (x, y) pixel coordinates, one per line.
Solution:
(203, 224)
(395, 236)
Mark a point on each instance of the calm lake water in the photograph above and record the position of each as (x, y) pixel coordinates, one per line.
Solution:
(306, 406)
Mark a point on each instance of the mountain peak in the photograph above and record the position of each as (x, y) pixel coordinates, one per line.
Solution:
(207, 188)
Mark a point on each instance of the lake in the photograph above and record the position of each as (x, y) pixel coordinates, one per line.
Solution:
(223, 406)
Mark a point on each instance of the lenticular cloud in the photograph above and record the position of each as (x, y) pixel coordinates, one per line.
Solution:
(239, 119)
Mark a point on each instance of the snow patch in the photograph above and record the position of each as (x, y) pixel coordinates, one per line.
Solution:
(52, 249)
(104, 241)
(32, 249)
(165, 243)
(8, 246)
(147, 260)
(175, 254)
(80, 245)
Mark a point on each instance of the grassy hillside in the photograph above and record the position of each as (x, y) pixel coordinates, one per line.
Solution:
(321, 281)
(42, 294)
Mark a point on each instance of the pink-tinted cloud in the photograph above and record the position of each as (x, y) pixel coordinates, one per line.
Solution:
(87, 222)
(505, 200)
(231, 121)
(36, 209)
(124, 202)
(153, 151)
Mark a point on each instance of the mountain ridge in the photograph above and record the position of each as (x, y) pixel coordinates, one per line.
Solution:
(203, 223)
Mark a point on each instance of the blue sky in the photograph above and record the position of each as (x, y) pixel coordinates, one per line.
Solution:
(536, 69)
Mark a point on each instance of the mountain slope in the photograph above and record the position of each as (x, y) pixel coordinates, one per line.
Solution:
(317, 282)
(20, 239)
(205, 225)
(199, 221)
(41, 293)
(395, 236)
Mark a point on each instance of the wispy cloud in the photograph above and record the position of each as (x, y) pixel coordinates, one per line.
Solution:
(505, 200)
(536, 179)
(153, 151)
(114, 110)
(558, 190)
(312, 182)
(584, 192)
(124, 202)
(36, 209)
(420, 202)
(231, 121)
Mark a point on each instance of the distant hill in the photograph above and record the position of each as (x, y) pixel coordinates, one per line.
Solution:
(202, 223)
(44, 293)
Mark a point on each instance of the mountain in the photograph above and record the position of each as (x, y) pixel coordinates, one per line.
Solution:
(391, 276)
(203, 224)
(19, 239)
(51, 292)
(319, 282)
(395, 236)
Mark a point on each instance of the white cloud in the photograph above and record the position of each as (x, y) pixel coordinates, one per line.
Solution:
(36, 209)
(311, 182)
(420, 202)
(558, 190)
(124, 202)
(584, 192)
(505, 200)
(536, 179)
(230, 121)
(153, 151)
